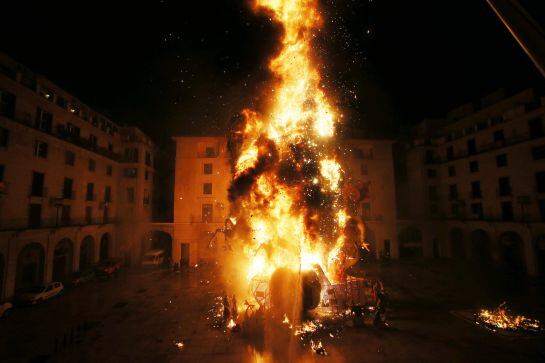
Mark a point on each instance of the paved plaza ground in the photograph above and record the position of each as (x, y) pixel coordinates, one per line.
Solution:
(160, 316)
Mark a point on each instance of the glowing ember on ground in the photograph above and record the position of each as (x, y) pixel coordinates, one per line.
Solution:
(501, 318)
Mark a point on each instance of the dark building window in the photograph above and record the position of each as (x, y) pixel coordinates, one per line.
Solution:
(501, 160)
(471, 147)
(535, 127)
(35, 215)
(210, 152)
(453, 192)
(477, 210)
(434, 209)
(109, 170)
(92, 165)
(207, 213)
(146, 175)
(65, 215)
(2, 168)
(7, 104)
(37, 187)
(69, 158)
(108, 193)
(208, 168)
(89, 214)
(148, 158)
(538, 152)
(507, 211)
(131, 155)
(499, 136)
(67, 188)
(476, 189)
(44, 120)
(429, 156)
(146, 197)
(455, 210)
(130, 195)
(542, 209)
(90, 193)
(473, 166)
(73, 131)
(540, 181)
(61, 101)
(207, 188)
(130, 172)
(4, 137)
(432, 173)
(450, 153)
(40, 149)
(451, 170)
(504, 186)
(110, 147)
(432, 192)
(93, 140)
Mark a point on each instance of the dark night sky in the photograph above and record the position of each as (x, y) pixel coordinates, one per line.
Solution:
(173, 68)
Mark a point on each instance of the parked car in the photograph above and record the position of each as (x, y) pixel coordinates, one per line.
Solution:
(38, 294)
(108, 268)
(5, 308)
(154, 258)
(82, 277)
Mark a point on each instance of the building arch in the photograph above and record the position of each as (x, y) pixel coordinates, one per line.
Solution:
(457, 243)
(410, 243)
(157, 240)
(481, 249)
(105, 247)
(511, 250)
(87, 253)
(63, 257)
(30, 266)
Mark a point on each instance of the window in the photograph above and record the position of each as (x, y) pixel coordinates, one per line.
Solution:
(2, 168)
(208, 168)
(109, 170)
(61, 101)
(471, 147)
(92, 165)
(65, 215)
(451, 170)
(476, 189)
(542, 209)
(498, 136)
(89, 214)
(93, 140)
(538, 152)
(40, 149)
(35, 215)
(90, 194)
(7, 104)
(110, 147)
(432, 173)
(366, 210)
(148, 158)
(364, 170)
(432, 192)
(67, 188)
(507, 211)
(37, 187)
(429, 156)
(453, 192)
(450, 153)
(535, 128)
(473, 166)
(207, 188)
(44, 120)
(130, 195)
(146, 197)
(455, 210)
(504, 186)
(210, 152)
(69, 158)
(434, 209)
(477, 210)
(540, 181)
(4, 137)
(501, 160)
(73, 131)
(130, 172)
(207, 213)
(108, 193)
(146, 175)
(131, 155)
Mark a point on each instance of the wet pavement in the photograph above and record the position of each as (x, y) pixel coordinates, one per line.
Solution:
(160, 316)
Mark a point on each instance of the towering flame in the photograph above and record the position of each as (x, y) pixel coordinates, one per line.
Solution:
(286, 192)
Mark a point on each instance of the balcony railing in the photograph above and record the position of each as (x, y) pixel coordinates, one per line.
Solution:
(22, 224)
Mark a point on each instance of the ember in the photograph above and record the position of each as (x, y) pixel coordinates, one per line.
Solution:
(501, 318)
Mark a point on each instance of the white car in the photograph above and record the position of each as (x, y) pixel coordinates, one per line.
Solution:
(41, 293)
(5, 309)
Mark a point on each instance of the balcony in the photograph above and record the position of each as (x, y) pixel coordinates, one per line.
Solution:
(23, 224)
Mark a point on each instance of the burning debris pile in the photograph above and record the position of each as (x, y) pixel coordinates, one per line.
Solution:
(501, 319)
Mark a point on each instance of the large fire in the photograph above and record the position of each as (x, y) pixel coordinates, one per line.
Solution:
(286, 193)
